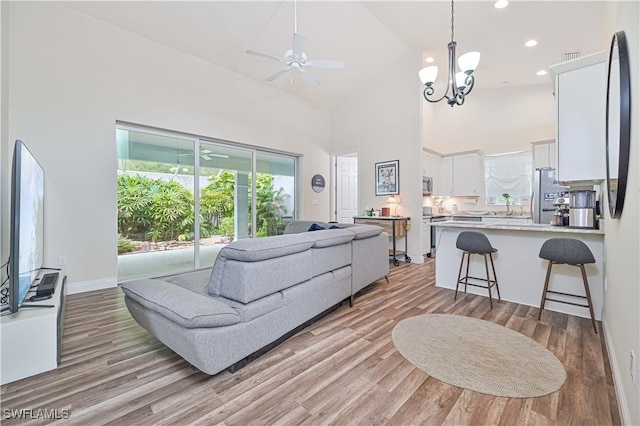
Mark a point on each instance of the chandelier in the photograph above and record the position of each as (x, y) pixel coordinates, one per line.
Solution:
(460, 83)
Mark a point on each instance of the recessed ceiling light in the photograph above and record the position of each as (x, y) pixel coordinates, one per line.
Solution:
(531, 43)
(501, 4)
(505, 83)
(429, 59)
(541, 72)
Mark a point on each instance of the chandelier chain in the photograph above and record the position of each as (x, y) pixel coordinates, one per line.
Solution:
(451, 20)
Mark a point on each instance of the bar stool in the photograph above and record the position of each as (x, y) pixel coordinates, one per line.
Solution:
(571, 252)
(471, 242)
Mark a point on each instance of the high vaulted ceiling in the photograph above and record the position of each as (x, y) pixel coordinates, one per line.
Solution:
(369, 36)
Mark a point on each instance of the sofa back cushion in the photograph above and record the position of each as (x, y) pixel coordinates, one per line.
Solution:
(249, 269)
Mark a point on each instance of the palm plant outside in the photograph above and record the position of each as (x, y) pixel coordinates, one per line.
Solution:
(157, 210)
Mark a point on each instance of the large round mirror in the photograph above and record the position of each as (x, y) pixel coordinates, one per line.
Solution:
(618, 123)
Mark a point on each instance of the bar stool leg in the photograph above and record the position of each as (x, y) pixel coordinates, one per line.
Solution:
(459, 275)
(544, 292)
(466, 277)
(586, 289)
(486, 268)
(495, 277)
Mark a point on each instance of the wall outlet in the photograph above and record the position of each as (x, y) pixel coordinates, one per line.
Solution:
(62, 260)
(632, 366)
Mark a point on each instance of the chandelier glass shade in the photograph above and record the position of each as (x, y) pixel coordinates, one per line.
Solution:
(460, 83)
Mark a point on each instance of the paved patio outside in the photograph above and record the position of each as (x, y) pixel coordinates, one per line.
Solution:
(158, 263)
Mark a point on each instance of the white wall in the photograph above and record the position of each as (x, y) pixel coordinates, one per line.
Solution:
(622, 236)
(494, 120)
(73, 76)
(5, 163)
(382, 122)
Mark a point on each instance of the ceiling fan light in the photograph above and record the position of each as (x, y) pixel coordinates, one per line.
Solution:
(469, 62)
(428, 74)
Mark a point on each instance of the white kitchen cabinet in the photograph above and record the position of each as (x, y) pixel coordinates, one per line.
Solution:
(445, 188)
(544, 155)
(426, 236)
(580, 91)
(461, 175)
(467, 174)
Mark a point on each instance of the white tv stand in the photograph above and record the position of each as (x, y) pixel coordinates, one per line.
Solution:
(31, 339)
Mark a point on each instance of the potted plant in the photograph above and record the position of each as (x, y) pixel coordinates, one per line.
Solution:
(506, 199)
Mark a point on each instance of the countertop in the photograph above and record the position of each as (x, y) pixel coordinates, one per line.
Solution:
(383, 217)
(536, 227)
(504, 215)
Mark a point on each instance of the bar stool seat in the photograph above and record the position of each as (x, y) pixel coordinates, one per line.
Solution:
(571, 252)
(472, 242)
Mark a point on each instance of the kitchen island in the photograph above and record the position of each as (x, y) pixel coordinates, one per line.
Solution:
(521, 273)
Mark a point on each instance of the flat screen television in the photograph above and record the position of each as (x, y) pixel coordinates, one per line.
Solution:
(26, 251)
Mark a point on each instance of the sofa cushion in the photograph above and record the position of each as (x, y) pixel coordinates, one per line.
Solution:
(365, 231)
(233, 268)
(255, 249)
(330, 237)
(249, 281)
(182, 306)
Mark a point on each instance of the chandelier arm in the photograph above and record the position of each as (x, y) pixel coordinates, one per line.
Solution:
(469, 81)
(429, 91)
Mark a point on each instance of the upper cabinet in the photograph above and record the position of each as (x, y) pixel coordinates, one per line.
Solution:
(431, 168)
(461, 175)
(544, 155)
(580, 92)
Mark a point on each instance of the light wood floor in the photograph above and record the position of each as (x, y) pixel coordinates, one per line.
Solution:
(343, 369)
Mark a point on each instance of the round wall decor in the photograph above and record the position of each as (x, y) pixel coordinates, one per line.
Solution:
(317, 183)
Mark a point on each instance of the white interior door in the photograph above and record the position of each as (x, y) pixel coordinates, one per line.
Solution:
(346, 189)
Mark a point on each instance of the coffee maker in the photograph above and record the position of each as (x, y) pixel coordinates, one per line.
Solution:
(582, 209)
(561, 215)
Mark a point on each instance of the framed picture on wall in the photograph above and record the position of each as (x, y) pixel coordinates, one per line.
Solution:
(388, 178)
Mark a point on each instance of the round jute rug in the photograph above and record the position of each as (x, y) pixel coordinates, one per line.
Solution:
(478, 355)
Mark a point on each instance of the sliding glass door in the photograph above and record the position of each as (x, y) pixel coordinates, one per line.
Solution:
(156, 182)
(165, 228)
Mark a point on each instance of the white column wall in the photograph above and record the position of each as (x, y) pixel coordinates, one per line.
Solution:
(382, 123)
(622, 236)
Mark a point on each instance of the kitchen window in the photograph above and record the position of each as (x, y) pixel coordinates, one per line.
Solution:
(508, 173)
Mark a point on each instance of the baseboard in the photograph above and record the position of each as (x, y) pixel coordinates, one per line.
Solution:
(85, 286)
(617, 378)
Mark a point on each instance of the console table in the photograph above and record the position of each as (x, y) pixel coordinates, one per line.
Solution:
(395, 226)
(31, 339)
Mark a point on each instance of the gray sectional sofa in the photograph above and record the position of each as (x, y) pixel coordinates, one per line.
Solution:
(258, 292)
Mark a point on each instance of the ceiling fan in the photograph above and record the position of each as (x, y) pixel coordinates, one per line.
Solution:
(296, 58)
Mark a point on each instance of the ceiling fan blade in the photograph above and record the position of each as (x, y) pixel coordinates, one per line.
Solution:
(264, 55)
(298, 45)
(277, 74)
(325, 64)
(308, 78)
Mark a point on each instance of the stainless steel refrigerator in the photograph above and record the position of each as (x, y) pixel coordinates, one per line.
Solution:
(545, 190)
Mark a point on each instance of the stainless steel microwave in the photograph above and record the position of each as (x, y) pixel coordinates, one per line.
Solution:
(427, 185)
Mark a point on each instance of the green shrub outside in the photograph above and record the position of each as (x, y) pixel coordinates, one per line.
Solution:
(157, 210)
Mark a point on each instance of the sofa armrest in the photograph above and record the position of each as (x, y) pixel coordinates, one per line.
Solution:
(184, 307)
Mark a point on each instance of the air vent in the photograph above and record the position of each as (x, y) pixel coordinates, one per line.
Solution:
(570, 55)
